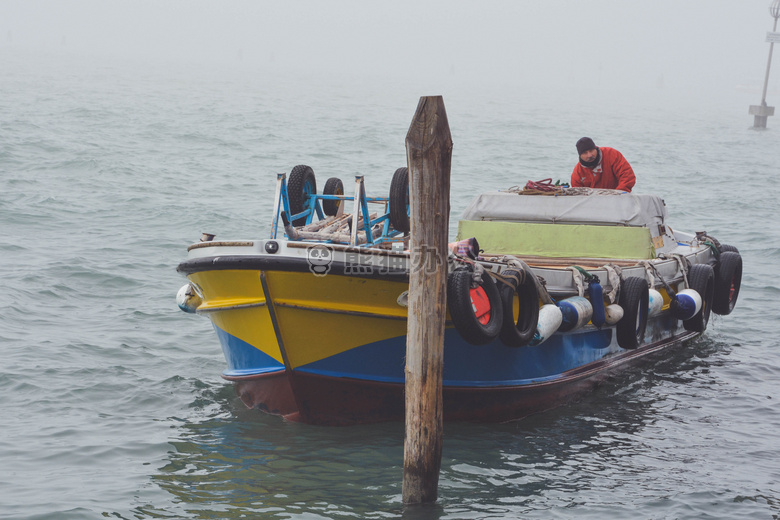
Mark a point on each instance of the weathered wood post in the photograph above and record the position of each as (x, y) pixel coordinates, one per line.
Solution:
(428, 156)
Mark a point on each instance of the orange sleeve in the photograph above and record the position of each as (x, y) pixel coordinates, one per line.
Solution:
(624, 173)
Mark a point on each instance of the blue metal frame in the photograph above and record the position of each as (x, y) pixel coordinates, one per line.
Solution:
(314, 206)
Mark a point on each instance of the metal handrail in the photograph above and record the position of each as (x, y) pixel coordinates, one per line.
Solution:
(314, 206)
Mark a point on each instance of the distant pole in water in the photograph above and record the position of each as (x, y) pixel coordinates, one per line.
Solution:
(429, 157)
(762, 111)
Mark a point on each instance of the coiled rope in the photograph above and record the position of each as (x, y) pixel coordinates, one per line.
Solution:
(544, 187)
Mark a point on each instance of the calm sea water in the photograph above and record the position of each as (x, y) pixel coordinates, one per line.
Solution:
(111, 401)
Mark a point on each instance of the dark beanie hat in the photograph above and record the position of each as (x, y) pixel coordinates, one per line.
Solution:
(585, 144)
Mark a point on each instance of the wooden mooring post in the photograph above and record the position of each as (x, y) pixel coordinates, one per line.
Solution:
(762, 112)
(428, 156)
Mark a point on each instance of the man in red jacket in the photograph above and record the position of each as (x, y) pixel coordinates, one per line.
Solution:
(601, 168)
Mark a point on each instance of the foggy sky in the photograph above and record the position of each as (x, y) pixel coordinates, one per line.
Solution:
(686, 45)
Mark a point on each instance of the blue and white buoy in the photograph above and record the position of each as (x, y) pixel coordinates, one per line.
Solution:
(576, 312)
(686, 304)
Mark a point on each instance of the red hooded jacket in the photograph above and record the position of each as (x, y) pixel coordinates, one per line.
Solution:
(612, 173)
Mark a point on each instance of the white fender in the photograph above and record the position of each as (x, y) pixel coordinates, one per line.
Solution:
(550, 318)
(187, 299)
(656, 303)
(613, 313)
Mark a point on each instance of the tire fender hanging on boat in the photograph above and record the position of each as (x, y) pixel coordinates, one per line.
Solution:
(701, 278)
(728, 279)
(634, 299)
(518, 329)
(475, 307)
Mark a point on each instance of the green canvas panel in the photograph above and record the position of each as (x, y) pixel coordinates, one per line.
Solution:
(559, 240)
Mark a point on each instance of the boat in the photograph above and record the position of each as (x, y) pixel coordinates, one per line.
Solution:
(548, 293)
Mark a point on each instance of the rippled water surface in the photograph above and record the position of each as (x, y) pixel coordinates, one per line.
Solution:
(112, 404)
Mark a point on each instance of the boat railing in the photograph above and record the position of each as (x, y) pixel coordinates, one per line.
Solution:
(372, 229)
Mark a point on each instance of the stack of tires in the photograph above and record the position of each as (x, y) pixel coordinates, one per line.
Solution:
(482, 311)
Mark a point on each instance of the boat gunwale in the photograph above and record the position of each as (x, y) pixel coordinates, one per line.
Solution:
(261, 262)
(291, 263)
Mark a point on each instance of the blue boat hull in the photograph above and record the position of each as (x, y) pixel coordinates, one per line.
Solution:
(490, 383)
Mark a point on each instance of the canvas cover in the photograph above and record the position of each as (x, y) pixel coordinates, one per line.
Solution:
(625, 209)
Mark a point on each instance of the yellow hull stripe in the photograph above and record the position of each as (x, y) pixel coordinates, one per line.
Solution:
(250, 323)
(317, 316)
(321, 316)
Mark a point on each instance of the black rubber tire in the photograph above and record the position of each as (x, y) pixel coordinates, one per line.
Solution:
(701, 278)
(728, 280)
(333, 186)
(300, 185)
(461, 310)
(724, 248)
(399, 200)
(634, 298)
(518, 331)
